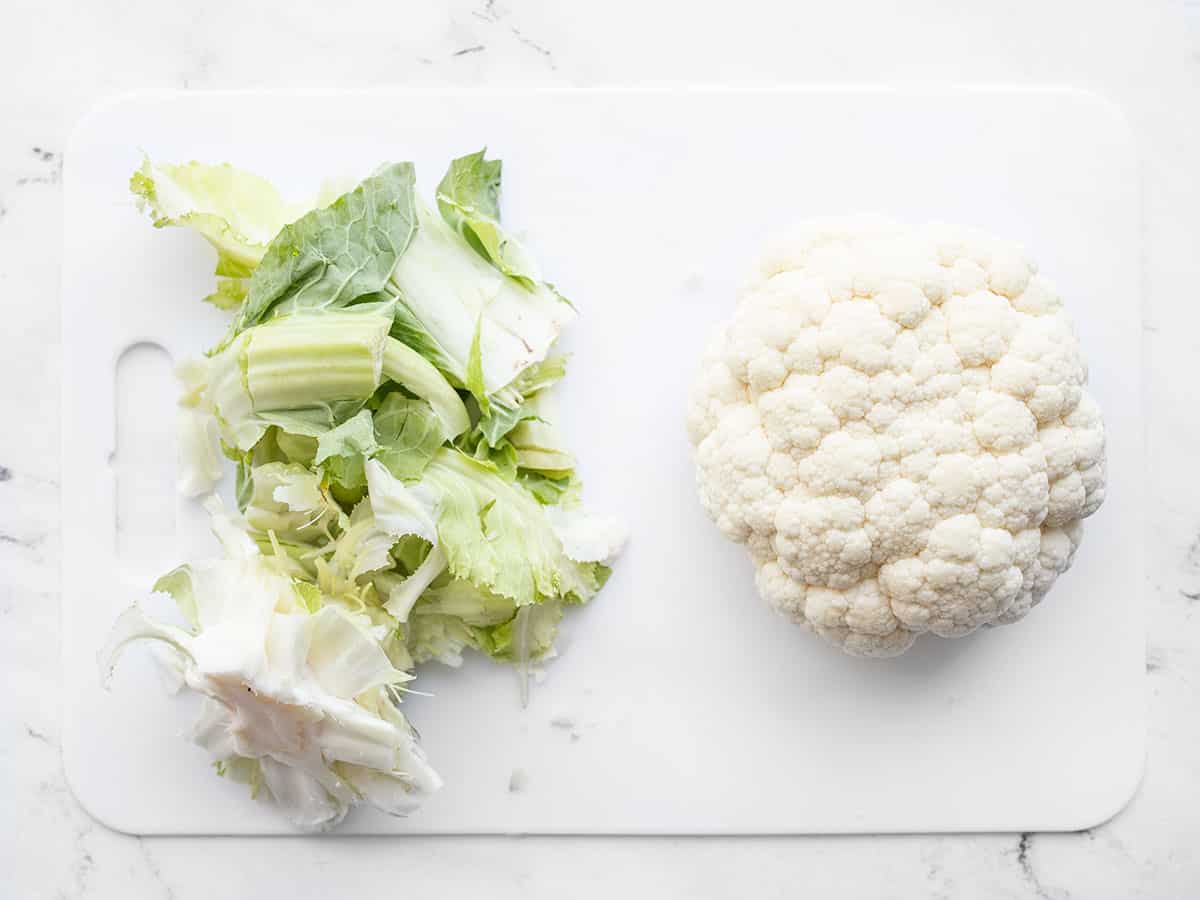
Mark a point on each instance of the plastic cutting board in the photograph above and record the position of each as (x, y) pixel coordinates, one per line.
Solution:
(680, 703)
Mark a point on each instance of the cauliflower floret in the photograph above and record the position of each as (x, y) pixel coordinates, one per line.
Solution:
(965, 577)
(858, 619)
(740, 497)
(822, 540)
(896, 424)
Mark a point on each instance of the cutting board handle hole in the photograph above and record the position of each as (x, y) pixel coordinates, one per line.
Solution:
(143, 461)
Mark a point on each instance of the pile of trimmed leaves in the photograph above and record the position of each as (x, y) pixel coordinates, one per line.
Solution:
(402, 492)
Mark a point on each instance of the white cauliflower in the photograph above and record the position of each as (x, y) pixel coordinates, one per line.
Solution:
(895, 425)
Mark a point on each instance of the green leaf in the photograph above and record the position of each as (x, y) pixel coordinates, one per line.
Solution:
(309, 594)
(354, 437)
(540, 446)
(410, 551)
(500, 420)
(237, 212)
(407, 329)
(408, 434)
(511, 406)
(347, 480)
(496, 535)
(454, 293)
(501, 459)
(475, 382)
(286, 498)
(334, 256)
(243, 483)
(418, 376)
(229, 295)
(364, 546)
(296, 448)
(529, 635)
(179, 586)
(548, 491)
(401, 509)
(315, 421)
(471, 183)
(442, 638)
(540, 376)
(465, 601)
(469, 200)
(341, 450)
(451, 617)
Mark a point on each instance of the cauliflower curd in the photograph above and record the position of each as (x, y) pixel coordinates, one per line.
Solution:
(895, 425)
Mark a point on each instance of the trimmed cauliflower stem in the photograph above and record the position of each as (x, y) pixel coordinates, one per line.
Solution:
(895, 425)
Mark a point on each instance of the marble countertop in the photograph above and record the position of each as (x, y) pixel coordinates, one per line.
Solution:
(61, 58)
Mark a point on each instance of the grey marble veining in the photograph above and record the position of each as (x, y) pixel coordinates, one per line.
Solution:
(64, 57)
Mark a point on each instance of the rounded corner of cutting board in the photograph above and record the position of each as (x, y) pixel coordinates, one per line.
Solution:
(74, 761)
(96, 115)
(1119, 792)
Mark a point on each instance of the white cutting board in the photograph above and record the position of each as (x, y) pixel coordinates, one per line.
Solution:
(680, 703)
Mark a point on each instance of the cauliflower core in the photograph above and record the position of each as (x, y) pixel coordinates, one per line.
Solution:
(895, 425)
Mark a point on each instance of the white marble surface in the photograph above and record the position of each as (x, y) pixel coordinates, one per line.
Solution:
(60, 58)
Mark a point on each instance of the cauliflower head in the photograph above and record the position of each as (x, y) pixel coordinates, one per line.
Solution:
(895, 425)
